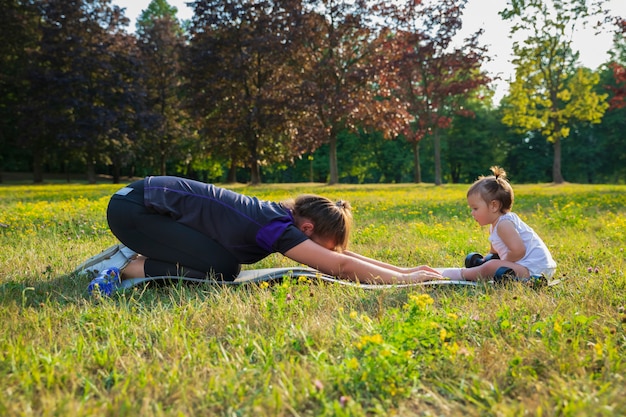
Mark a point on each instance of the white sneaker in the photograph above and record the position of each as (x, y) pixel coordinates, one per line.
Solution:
(117, 256)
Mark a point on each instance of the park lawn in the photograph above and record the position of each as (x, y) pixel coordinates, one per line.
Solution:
(301, 348)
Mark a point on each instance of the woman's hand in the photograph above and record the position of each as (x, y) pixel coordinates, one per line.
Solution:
(354, 267)
(420, 268)
(423, 275)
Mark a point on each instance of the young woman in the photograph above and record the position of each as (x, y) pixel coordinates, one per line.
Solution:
(188, 228)
(517, 245)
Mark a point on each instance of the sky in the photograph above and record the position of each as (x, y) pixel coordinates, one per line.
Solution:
(478, 14)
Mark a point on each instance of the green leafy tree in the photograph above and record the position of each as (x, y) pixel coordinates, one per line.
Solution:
(476, 130)
(606, 156)
(156, 10)
(161, 43)
(549, 91)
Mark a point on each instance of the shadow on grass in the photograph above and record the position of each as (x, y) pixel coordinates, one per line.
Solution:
(72, 289)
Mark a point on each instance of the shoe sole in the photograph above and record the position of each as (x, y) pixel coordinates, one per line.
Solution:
(101, 257)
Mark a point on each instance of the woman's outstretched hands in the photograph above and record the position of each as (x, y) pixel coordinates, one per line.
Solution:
(424, 273)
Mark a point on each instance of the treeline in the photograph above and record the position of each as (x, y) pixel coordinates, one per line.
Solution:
(302, 90)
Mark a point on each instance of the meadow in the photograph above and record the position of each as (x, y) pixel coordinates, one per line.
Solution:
(303, 348)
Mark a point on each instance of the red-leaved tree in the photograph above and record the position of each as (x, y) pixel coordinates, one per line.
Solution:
(431, 74)
(618, 100)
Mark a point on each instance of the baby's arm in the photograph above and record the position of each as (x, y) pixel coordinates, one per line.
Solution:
(513, 241)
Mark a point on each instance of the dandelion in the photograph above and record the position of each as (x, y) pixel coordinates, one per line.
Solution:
(598, 349)
(443, 334)
(557, 327)
(453, 348)
(353, 363)
(375, 339)
(422, 300)
(264, 285)
(354, 314)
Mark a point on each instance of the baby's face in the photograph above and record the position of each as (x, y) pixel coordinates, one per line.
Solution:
(481, 211)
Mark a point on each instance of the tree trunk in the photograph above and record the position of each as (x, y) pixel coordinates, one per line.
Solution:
(91, 171)
(332, 156)
(232, 171)
(417, 170)
(255, 172)
(557, 176)
(437, 158)
(162, 157)
(255, 169)
(162, 165)
(311, 175)
(116, 172)
(38, 166)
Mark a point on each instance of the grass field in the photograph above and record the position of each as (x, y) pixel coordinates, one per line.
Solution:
(301, 348)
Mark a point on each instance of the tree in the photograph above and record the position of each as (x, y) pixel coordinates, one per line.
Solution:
(475, 131)
(126, 101)
(340, 56)
(610, 163)
(73, 88)
(240, 80)
(618, 66)
(161, 43)
(549, 91)
(156, 10)
(20, 35)
(431, 77)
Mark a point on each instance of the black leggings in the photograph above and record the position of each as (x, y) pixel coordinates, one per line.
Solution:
(172, 249)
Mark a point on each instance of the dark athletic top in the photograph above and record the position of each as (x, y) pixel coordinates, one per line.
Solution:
(249, 228)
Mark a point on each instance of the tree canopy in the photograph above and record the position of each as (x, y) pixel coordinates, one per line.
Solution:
(303, 90)
(550, 90)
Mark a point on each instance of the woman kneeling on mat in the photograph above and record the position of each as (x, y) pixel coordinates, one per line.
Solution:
(172, 226)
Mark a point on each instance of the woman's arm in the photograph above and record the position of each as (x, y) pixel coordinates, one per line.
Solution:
(389, 266)
(355, 267)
